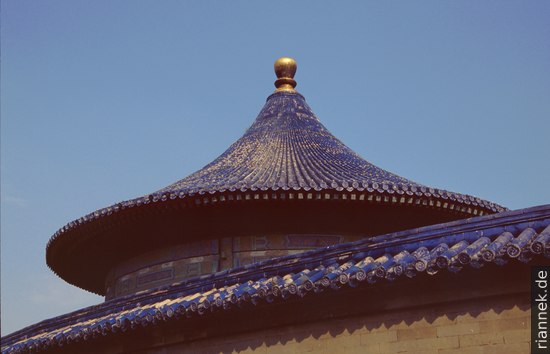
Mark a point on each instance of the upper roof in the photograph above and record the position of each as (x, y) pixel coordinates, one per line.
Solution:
(287, 149)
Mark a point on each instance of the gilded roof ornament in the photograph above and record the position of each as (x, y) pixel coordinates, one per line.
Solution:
(285, 69)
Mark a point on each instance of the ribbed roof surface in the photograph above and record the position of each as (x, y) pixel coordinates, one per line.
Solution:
(287, 147)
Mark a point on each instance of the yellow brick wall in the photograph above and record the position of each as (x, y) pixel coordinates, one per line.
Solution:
(500, 326)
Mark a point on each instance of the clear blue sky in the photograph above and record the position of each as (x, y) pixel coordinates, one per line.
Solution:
(103, 101)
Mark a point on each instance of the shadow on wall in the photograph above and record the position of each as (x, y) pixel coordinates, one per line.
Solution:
(500, 324)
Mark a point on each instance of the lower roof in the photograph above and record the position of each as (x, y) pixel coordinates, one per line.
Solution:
(515, 236)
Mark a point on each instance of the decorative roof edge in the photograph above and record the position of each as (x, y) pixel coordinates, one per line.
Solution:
(464, 201)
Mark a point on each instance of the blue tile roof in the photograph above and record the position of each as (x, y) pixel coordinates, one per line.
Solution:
(522, 235)
(287, 147)
(287, 150)
(287, 153)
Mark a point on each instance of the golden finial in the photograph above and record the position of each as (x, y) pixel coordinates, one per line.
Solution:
(285, 68)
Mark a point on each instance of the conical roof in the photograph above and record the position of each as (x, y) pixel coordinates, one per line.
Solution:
(287, 148)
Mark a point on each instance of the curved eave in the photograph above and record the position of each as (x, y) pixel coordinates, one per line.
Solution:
(464, 202)
(84, 230)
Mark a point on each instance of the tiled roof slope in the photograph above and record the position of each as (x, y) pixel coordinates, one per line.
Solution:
(522, 235)
(288, 148)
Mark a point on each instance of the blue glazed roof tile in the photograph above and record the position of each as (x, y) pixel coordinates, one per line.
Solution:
(445, 247)
(288, 148)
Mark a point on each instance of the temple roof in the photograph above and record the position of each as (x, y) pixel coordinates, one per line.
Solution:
(286, 149)
(504, 238)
